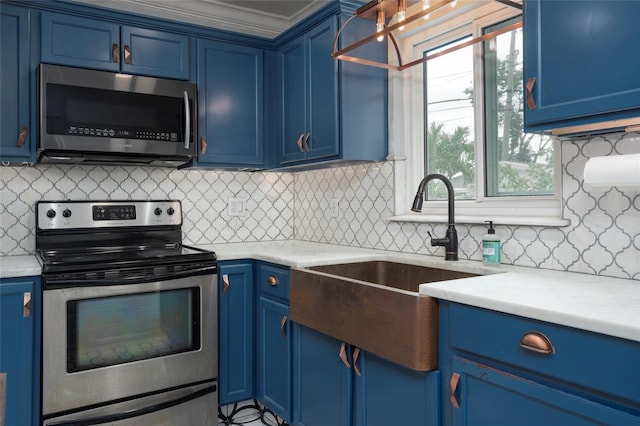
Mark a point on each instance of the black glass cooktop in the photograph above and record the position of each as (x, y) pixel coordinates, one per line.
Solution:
(114, 257)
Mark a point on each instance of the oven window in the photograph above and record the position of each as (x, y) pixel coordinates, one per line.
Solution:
(119, 329)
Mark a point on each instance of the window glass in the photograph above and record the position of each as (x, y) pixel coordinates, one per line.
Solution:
(517, 163)
(449, 120)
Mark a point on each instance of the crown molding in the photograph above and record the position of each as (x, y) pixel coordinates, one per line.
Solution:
(214, 14)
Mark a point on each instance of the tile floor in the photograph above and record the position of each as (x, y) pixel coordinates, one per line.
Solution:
(248, 413)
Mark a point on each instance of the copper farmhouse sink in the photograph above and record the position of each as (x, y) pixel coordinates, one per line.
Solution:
(374, 306)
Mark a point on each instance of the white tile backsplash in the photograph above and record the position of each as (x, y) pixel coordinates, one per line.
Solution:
(603, 238)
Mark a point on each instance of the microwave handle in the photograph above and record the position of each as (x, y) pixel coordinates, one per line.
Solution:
(187, 127)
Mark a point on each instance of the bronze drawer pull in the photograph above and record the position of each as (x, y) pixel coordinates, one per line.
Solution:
(22, 136)
(306, 142)
(537, 342)
(283, 322)
(127, 55)
(356, 355)
(26, 306)
(114, 53)
(225, 284)
(531, 103)
(455, 379)
(203, 145)
(299, 142)
(343, 355)
(272, 281)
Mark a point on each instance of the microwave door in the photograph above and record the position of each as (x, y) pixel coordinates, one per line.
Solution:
(84, 119)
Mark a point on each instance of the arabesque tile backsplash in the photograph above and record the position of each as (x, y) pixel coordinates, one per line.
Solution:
(602, 239)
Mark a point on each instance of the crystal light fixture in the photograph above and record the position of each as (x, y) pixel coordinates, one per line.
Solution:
(380, 24)
(402, 12)
(426, 4)
(379, 10)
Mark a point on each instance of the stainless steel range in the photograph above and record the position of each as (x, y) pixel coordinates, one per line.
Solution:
(129, 316)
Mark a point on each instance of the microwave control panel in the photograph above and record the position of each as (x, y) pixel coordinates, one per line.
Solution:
(122, 133)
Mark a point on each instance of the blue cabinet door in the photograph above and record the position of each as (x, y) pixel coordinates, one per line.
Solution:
(322, 114)
(236, 337)
(92, 43)
(322, 383)
(332, 110)
(16, 136)
(19, 346)
(294, 101)
(154, 53)
(273, 383)
(386, 393)
(309, 95)
(583, 61)
(80, 42)
(230, 85)
(488, 396)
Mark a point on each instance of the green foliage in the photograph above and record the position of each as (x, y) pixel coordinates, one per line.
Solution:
(453, 153)
(450, 154)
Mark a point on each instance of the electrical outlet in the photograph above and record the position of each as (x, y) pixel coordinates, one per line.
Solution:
(236, 206)
(334, 207)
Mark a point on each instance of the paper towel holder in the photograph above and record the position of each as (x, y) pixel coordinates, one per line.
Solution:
(613, 170)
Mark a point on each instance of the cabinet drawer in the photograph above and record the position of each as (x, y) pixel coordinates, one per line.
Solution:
(273, 280)
(595, 361)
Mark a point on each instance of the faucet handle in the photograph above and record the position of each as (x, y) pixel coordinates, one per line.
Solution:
(429, 234)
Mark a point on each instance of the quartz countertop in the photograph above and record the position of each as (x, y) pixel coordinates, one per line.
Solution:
(599, 304)
(19, 266)
(589, 302)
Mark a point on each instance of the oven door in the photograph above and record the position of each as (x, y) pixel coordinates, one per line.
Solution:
(103, 344)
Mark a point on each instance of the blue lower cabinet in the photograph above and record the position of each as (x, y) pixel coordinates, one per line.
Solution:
(19, 344)
(487, 396)
(273, 384)
(357, 388)
(386, 393)
(502, 369)
(236, 331)
(321, 381)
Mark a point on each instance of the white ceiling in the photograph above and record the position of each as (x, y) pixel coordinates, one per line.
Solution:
(263, 18)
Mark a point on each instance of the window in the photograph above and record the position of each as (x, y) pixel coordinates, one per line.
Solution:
(517, 163)
(461, 114)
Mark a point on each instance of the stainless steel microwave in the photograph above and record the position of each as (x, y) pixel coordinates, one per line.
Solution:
(97, 117)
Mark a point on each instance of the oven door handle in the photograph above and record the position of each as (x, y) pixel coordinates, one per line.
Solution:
(109, 418)
(52, 281)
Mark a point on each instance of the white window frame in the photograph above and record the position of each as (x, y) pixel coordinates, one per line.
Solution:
(406, 128)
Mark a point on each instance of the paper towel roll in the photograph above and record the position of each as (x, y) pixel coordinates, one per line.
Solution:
(613, 170)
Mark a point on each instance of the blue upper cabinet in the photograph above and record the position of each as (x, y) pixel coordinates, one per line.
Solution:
(331, 110)
(15, 131)
(310, 101)
(581, 64)
(230, 90)
(294, 100)
(155, 53)
(91, 43)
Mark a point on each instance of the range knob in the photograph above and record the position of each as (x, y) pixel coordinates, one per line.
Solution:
(51, 213)
(170, 211)
(157, 211)
(66, 213)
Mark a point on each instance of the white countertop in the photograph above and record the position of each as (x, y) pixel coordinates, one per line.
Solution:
(600, 304)
(19, 266)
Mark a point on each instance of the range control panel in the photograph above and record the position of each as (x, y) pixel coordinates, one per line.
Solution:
(100, 214)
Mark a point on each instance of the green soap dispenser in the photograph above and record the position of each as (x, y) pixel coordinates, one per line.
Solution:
(491, 246)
